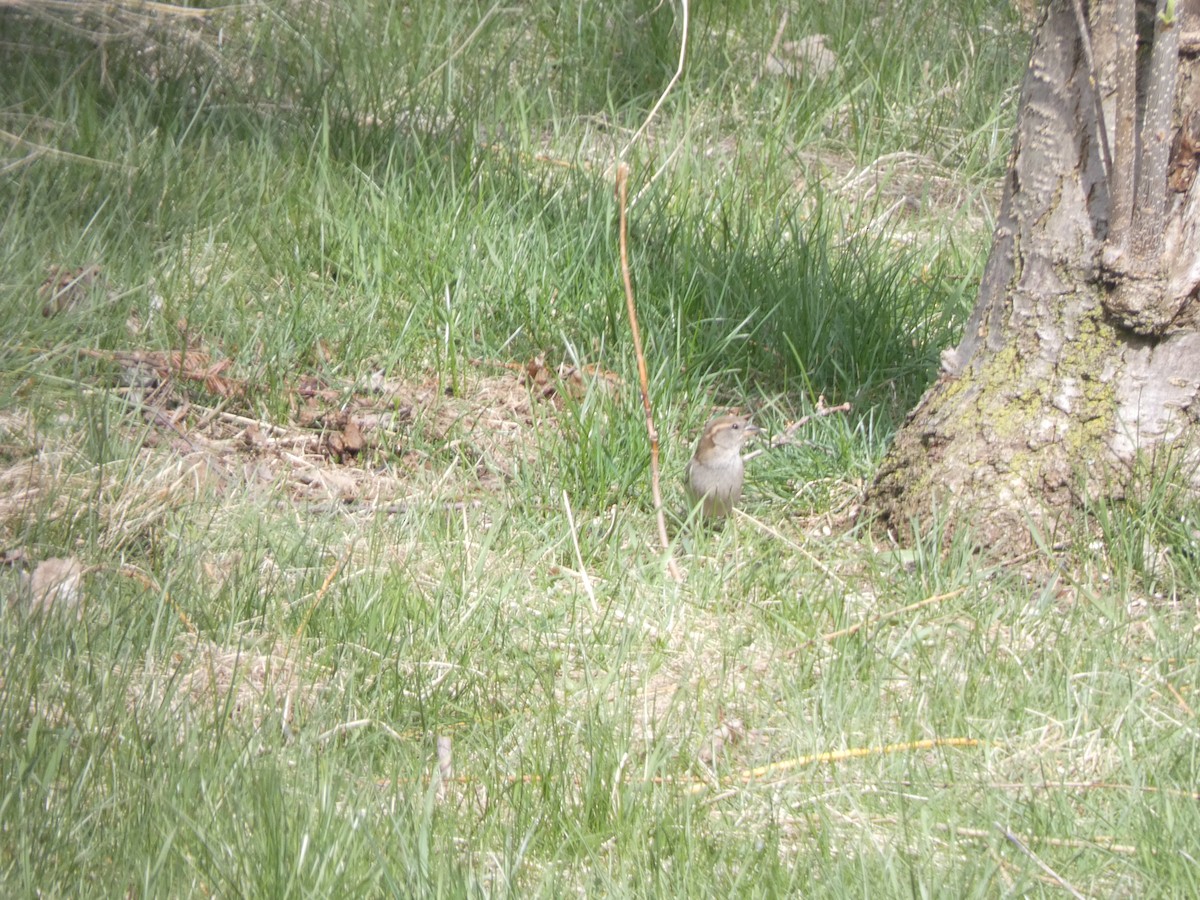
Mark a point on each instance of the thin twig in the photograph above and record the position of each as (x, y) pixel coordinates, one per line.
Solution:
(470, 39)
(347, 727)
(1098, 842)
(136, 9)
(770, 770)
(1179, 699)
(763, 526)
(42, 150)
(667, 89)
(789, 433)
(247, 422)
(695, 785)
(324, 589)
(874, 620)
(762, 70)
(643, 376)
(657, 174)
(131, 571)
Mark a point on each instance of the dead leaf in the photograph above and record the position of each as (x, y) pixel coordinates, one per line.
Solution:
(578, 381)
(352, 438)
(570, 380)
(313, 386)
(347, 441)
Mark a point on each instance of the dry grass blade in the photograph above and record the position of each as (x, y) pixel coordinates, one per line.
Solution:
(882, 617)
(1054, 876)
(583, 572)
(37, 150)
(114, 10)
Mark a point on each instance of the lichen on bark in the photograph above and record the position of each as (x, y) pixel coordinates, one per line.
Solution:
(1083, 352)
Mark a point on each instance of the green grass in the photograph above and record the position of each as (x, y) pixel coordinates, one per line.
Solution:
(350, 220)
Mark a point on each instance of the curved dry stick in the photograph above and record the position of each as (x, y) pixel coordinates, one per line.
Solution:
(643, 378)
(670, 84)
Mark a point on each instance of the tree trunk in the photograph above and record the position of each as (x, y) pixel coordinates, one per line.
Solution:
(1083, 352)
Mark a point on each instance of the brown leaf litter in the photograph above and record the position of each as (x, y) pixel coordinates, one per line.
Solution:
(160, 369)
(381, 444)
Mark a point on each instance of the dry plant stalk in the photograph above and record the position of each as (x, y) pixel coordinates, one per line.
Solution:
(770, 772)
(789, 433)
(643, 378)
(667, 90)
(881, 617)
(324, 589)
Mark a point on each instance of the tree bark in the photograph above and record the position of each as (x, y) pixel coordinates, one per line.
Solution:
(1082, 355)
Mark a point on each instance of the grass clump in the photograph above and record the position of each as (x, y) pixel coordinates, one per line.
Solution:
(344, 483)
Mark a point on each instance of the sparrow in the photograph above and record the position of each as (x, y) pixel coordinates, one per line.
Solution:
(715, 472)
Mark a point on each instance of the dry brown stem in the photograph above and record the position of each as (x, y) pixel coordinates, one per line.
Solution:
(789, 434)
(643, 377)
